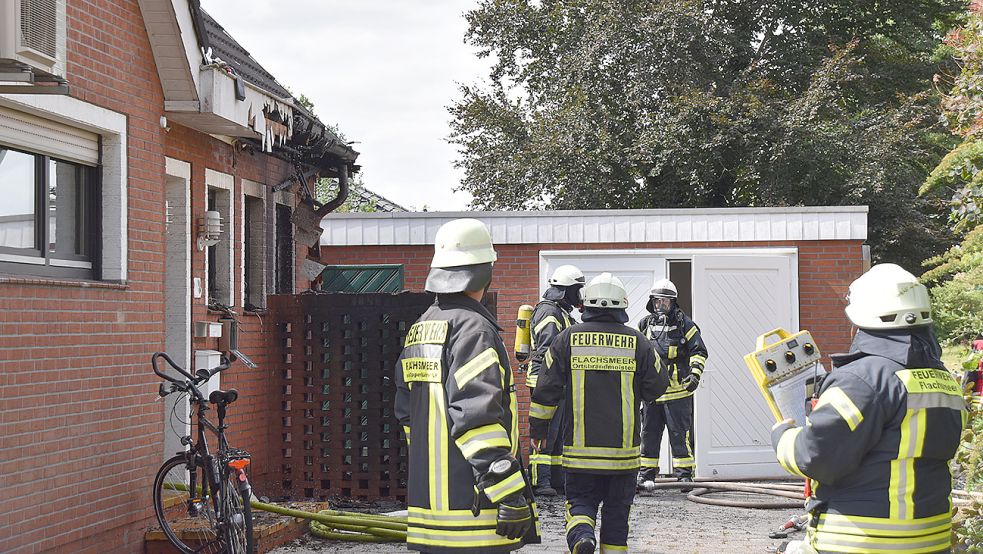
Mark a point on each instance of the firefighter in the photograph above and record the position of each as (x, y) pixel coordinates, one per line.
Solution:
(456, 402)
(888, 421)
(601, 442)
(677, 340)
(550, 317)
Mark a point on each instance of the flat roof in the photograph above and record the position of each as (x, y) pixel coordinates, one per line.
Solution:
(607, 226)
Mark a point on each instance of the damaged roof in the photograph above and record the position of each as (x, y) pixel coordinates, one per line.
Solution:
(225, 47)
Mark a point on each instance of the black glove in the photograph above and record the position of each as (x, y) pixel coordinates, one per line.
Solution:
(514, 516)
(691, 381)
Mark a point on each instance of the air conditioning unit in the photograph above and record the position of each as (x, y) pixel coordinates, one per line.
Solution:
(32, 36)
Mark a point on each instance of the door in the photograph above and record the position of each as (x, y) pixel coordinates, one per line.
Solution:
(737, 298)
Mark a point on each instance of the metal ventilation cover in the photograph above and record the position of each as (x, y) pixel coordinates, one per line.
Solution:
(39, 26)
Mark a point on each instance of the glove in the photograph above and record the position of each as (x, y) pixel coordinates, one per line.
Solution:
(691, 382)
(514, 517)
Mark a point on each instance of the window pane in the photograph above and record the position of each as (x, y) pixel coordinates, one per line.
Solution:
(18, 218)
(66, 206)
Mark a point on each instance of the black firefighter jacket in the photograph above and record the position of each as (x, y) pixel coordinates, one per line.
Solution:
(681, 347)
(548, 320)
(604, 369)
(455, 399)
(878, 445)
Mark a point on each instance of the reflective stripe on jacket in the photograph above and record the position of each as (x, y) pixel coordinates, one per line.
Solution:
(605, 370)
(455, 397)
(878, 447)
(548, 320)
(680, 345)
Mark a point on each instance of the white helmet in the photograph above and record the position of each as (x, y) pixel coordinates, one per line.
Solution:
(462, 242)
(663, 288)
(605, 291)
(462, 258)
(567, 275)
(888, 297)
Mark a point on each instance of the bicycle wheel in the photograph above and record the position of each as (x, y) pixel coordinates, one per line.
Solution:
(188, 520)
(238, 514)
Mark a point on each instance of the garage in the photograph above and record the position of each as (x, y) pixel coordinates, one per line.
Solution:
(740, 272)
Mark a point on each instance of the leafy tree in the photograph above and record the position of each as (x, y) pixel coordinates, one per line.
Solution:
(708, 103)
(327, 189)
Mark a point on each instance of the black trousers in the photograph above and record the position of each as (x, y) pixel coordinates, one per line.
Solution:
(614, 492)
(546, 467)
(677, 415)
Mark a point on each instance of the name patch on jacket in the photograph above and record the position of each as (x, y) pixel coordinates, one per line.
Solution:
(601, 363)
(929, 380)
(426, 370)
(609, 340)
(427, 332)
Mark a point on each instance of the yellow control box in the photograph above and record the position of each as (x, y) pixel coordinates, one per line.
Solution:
(786, 371)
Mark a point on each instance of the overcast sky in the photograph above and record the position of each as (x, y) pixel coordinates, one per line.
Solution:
(384, 71)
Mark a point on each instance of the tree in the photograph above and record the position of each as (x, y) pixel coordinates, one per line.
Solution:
(687, 103)
(327, 189)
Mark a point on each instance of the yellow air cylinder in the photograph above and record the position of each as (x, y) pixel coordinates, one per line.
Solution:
(523, 341)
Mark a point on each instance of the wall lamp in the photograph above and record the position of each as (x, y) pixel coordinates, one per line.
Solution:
(209, 229)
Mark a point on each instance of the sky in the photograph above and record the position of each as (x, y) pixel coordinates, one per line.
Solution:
(383, 71)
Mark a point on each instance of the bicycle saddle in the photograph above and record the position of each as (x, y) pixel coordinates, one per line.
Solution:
(223, 397)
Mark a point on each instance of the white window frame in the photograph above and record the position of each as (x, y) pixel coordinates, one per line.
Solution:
(111, 128)
(222, 182)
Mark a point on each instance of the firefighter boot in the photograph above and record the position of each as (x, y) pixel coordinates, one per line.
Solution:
(584, 545)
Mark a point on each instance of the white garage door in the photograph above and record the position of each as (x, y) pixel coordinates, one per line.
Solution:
(737, 298)
(737, 295)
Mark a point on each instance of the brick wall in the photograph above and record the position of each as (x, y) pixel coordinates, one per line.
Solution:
(81, 432)
(826, 269)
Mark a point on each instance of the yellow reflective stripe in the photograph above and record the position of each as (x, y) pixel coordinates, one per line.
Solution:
(452, 518)
(513, 411)
(475, 366)
(601, 451)
(877, 526)
(613, 548)
(548, 357)
(406, 433)
(698, 359)
(483, 438)
(786, 451)
(574, 520)
(649, 462)
(673, 350)
(532, 379)
(457, 538)
(600, 463)
(692, 332)
(684, 462)
(674, 395)
(628, 410)
(507, 486)
(578, 407)
(546, 321)
(541, 411)
(545, 459)
(838, 399)
(924, 544)
(902, 484)
(438, 446)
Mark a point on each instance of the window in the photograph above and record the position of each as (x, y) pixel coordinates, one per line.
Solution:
(218, 257)
(681, 275)
(49, 216)
(284, 251)
(254, 253)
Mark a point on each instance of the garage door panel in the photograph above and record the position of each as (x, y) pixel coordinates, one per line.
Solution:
(737, 298)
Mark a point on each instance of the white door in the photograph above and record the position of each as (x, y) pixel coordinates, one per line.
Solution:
(735, 299)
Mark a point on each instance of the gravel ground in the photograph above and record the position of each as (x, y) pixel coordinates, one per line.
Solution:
(663, 522)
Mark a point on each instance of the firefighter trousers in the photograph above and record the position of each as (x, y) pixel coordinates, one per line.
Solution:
(677, 415)
(546, 466)
(614, 492)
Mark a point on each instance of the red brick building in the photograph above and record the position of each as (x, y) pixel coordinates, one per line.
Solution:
(741, 272)
(144, 114)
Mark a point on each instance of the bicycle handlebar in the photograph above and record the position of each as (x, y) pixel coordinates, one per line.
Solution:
(200, 376)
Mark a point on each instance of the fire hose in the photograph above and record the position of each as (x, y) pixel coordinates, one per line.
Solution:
(345, 526)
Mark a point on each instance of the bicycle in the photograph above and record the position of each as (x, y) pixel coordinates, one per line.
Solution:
(202, 499)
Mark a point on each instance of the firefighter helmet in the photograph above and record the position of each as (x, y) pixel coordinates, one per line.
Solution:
(888, 297)
(605, 291)
(462, 259)
(663, 288)
(566, 276)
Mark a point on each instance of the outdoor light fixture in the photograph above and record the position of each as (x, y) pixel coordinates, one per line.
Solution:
(209, 229)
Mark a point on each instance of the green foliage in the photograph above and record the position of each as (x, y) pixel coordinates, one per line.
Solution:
(327, 189)
(707, 103)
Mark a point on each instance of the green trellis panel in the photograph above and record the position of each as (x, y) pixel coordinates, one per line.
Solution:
(362, 278)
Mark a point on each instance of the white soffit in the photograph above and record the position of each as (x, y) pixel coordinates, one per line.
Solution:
(608, 226)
